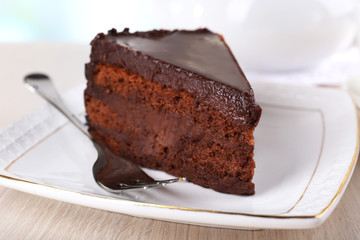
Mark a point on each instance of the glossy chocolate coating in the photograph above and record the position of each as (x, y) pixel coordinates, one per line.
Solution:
(201, 52)
(198, 62)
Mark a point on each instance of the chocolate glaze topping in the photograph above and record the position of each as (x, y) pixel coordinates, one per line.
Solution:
(198, 62)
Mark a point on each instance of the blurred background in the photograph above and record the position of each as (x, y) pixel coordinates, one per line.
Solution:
(265, 35)
(69, 20)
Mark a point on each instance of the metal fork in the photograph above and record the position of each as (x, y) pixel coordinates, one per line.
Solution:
(131, 175)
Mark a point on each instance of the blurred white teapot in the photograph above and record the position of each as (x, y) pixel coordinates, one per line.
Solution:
(283, 35)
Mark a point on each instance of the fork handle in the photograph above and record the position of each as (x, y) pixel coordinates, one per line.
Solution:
(43, 86)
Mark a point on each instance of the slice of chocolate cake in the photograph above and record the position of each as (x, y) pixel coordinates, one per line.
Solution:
(175, 101)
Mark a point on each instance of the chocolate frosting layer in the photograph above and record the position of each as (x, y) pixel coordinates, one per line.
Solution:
(198, 62)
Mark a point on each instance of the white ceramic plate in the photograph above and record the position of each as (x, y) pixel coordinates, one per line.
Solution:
(306, 148)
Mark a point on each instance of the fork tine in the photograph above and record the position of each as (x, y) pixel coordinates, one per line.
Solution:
(160, 183)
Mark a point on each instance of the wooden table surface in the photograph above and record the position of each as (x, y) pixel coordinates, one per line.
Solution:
(26, 216)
